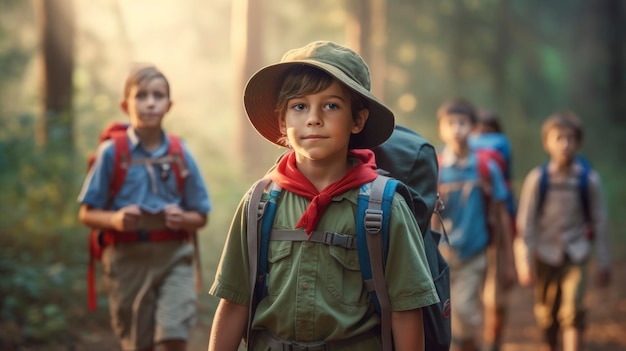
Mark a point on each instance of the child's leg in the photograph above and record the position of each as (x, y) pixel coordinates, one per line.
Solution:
(176, 305)
(128, 278)
(572, 314)
(494, 300)
(547, 294)
(466, 281)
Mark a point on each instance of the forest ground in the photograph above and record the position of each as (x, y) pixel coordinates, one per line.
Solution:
(606, 330)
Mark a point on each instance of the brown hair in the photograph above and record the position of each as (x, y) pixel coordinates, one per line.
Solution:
(562, 119)
(143, 73)
(490, 120)
(306, 80)
(457, 106)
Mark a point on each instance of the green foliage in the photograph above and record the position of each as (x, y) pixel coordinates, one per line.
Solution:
(39, 254)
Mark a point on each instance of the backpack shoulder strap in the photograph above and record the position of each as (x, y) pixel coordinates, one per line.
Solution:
(583, 189)
(121, 162)
(373, 213)
(544, 181)
(179, 165)
(483, 157)
(255, 211)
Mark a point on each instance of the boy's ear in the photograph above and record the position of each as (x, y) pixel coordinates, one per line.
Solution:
(360, 121)
(124, 106)
(282, 126)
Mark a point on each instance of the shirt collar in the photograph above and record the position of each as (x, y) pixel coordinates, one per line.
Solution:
(134, 141)
(449, 159)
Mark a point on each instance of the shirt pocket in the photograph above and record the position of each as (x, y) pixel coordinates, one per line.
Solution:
(279, 258)
(345, 281)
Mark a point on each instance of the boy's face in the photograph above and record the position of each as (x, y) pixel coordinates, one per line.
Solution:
(318, 126)
(454, 129)
(147, 103)
(561, 144)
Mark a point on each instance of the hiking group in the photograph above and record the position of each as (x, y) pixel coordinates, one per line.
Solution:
(337, 246)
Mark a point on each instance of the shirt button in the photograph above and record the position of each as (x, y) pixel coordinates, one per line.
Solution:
(305, 285)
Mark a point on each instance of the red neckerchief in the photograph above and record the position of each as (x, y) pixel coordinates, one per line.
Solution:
(287, 175)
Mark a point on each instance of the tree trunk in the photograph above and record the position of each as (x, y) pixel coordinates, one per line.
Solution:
(378, 58)
(57, 41)
(247, 38)
(358, 27)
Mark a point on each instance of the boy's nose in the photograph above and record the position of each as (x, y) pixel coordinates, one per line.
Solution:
(313, 118)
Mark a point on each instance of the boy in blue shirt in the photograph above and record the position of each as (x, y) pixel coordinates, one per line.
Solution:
(468, 202)
(147, 225)
(489, 135)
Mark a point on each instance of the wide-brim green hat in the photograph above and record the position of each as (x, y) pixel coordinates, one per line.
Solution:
(345, 65)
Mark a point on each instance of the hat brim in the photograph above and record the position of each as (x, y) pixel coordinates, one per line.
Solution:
(261, 92)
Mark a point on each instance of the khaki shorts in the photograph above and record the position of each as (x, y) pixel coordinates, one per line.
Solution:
(466, 284)
(494, 294)
(151, 292)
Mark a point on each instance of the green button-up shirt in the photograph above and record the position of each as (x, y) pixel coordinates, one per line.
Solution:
(316, 291)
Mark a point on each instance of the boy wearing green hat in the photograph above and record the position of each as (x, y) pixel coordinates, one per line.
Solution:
(317, 103)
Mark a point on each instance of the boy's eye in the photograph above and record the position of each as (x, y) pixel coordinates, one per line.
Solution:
(159, 95)
(141, 95)
(298, 107)
(332, 106)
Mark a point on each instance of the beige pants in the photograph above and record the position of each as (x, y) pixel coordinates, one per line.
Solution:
(466, 284)
(151, 292)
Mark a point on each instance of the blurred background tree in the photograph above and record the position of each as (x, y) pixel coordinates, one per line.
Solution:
(63, 63)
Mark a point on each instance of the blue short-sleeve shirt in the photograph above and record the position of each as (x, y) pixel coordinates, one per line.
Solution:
(145, 185)
(464, 214)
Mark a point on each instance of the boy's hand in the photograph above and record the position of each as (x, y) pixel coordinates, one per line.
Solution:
(173, 217)
(126, 219)
(603, 279)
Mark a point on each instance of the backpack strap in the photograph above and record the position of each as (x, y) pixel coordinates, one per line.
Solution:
(543, 186)
(583, 188)
(373, 212)
(255, 209)
(179, 165)
(121, 162)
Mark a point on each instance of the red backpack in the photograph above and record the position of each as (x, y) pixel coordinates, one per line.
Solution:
(484, 156)
(116, 132)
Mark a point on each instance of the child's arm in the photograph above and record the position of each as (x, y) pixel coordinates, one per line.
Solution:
(229, 325)
(125, 219)
(408, 330)
(599, 220)
(506, 241)
(524, 245)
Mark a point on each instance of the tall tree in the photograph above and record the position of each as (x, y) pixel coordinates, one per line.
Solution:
(57, 45)
(366, 33)
(247, 53)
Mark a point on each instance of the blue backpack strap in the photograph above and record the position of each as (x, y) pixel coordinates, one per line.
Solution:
(267, 221)
(373, 213)
(583, 188)
(543, 186)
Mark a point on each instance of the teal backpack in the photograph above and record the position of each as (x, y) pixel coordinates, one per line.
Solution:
(373, 211)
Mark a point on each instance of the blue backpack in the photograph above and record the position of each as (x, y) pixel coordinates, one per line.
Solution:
(583, 191)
